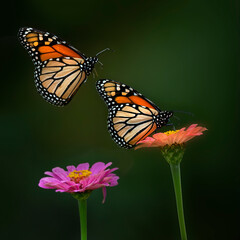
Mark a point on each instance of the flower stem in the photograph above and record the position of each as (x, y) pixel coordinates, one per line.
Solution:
(82, 204)
(176, 176)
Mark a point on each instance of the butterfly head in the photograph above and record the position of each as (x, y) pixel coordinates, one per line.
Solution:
(163, 118)
(89, 64)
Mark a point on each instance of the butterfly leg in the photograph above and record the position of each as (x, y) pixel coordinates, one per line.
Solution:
(171, 124)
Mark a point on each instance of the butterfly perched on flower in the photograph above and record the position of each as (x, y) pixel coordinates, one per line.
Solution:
(60, 69)
(132, 117)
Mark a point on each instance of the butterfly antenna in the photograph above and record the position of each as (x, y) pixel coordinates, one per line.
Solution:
(100, 64)
(176, 117)
(179, 111)
(104, 50)
(171, 124)
(95, 72)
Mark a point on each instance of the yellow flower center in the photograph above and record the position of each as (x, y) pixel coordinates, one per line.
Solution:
(76, 176)
(171, 132)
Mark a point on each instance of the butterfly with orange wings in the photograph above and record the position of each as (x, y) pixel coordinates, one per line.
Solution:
(60, 69)
(132, 117)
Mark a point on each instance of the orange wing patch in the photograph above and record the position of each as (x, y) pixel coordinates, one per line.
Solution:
(56, 51)
(65, 51)
(121, 100)
(140, 101)
(33, 39)
(133, 100)
(47, 56)
(45, 49)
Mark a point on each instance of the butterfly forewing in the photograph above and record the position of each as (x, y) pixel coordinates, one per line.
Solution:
(115, 93)
(42, 46)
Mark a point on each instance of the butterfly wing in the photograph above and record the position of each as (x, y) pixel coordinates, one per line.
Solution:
(130, 123)
(115, 93)
(59, 67)
(58, 80)
(43, 46)
(132, 117)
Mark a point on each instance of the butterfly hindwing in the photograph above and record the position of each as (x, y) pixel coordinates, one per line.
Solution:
(58, 79)
(60, 69)
(130, 123)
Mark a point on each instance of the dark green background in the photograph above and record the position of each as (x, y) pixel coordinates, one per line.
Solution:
(183, 55)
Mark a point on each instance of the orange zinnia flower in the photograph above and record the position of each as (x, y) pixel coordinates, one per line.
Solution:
(170, 138)
(171, 144)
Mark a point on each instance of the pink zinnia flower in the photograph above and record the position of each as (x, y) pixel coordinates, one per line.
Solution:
(80, 179)
(169, 138)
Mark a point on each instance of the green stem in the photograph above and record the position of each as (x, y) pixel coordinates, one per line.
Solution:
(176, 176)
(82, 204)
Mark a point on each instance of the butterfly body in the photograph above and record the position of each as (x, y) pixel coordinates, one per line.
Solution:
(60, 69)
(132, 117)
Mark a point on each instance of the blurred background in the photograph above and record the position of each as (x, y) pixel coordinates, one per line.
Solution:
(183, 55)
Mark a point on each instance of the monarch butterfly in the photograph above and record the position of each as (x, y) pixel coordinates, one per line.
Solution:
(132, 117)
(60, 69)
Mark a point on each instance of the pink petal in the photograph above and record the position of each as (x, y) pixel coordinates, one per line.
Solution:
(74, 188)
(191, 127)
(51, 183)
(83, 166)
(145, 143)
(96, 167)
(62, 174)
(50, 174)
(142, 145)
(147, 140)
(71, 168)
